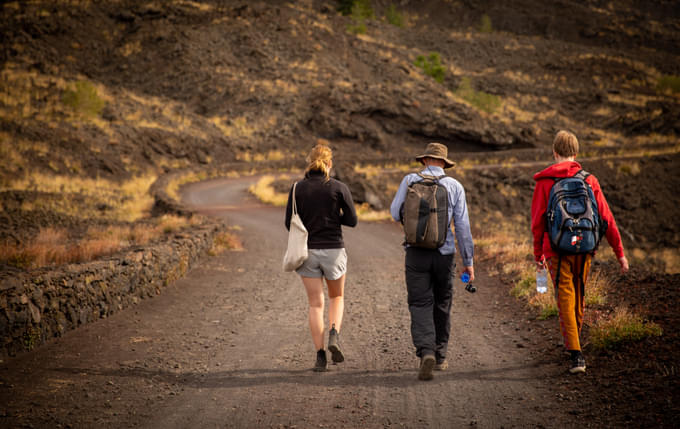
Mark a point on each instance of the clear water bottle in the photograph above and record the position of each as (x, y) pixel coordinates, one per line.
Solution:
(541, 280)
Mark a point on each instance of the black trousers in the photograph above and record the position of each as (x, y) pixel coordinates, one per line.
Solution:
(429, 283)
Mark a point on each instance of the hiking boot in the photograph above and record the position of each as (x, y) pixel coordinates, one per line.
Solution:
(321, 362)
(578, 362)
(334, 347)
(442, 366)
(427, 364)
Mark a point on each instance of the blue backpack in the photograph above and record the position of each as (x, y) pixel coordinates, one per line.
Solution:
(573, 220)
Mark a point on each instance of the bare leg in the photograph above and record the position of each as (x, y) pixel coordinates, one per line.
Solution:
(314, 288)
(336, 307)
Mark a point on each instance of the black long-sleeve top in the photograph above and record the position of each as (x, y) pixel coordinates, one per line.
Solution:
(323, 207)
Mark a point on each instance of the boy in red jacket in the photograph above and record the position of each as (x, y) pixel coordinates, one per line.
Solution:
(569, 272)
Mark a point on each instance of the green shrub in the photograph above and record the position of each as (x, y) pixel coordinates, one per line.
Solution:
(357, 28)
(523, 287)
(668, 83)
(394, 17)
(548, 312)
(480, 99)
(83, 98)
(623, 326)
(485, 24)
(360, 11)
(432, 66)
(345, 7)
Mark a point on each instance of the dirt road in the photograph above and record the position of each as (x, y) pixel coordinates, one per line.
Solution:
(228, 347)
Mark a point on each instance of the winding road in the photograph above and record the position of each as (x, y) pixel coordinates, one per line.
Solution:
(228, 347)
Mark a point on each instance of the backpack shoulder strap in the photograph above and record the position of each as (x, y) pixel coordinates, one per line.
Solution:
(430, 177)
(582, 174)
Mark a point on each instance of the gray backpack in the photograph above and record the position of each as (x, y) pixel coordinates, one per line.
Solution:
(425, 213)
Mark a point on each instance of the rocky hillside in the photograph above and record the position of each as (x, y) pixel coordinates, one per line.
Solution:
(100, 98)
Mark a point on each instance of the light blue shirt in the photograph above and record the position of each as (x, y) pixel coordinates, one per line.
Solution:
(457, 211)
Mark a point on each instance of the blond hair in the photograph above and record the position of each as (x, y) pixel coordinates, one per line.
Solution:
(565, 144)
(319, 160)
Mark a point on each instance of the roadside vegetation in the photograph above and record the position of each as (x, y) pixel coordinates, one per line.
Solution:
(508, 244)
(669, 83)
(479, 99)
(84, 197)
(485, 25)
(227, 240)
(265, 192)
(359, 11)
(270, 190)
(620, 327)
(431, 66)
(54, 246)
(83, 98)
(394, 17)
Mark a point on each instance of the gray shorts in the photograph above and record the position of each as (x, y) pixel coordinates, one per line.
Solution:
(328, 263)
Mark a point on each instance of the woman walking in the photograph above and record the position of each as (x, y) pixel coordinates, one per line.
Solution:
(324, 205)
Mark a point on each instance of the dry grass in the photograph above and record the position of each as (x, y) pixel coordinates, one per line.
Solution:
(193, 177)
(127, 201)
(596, 288)
(507, 242)
(226, 241)
(545, 304)
(525, 288)
(173, 223)
(370, 170)
(622, 326)
(266, 193)
(272, 155)
(630, 168)
(507, 245)
(53, 246)
(175, 185)
(525, 285)
(367, 214)
(667, 259)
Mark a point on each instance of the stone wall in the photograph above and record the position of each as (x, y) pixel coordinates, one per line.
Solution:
(43, 304)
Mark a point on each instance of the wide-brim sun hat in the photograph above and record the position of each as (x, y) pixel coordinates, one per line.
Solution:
(437, 151)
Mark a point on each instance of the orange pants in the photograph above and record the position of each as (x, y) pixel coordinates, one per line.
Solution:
(569, 274)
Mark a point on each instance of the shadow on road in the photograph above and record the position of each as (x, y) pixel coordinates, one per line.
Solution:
(336, 377)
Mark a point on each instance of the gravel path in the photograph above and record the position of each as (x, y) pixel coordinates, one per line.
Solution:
(228, 347)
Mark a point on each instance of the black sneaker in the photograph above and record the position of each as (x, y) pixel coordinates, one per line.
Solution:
(578, 362)
(334, 347)
(427, 364)
(321, 364)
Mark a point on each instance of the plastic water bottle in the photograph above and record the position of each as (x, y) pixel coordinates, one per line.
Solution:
(465, 278)
(542, 280)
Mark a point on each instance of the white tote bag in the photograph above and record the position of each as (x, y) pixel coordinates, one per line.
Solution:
(296, 253)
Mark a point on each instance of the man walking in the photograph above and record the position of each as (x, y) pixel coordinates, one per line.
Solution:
(569, 269)
(430, 268)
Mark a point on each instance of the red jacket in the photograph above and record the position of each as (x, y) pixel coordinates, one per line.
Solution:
(539, 205)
